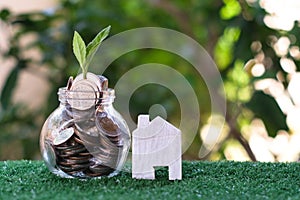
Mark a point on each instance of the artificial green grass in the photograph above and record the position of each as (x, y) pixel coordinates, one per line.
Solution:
(201, 180)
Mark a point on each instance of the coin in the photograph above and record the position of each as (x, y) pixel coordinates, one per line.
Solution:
(92, 78)
(66, 146)
(82, 115)
(92, 174)
(77, 139)
(50, 156)
(107, 158)
(82, 95)
(63, 136)
(74, 168)
(69, 147)
(70, 82)
(115, 140)
(98, 82)
(85, 137)
(73, 151)
(66, 168)
(61, 155)
(101, 169)
(81, 166)
(73, 162)
(103, 82)
(106, 125)
(84, 154)
(106, 144)
(87, 127)
(66, 115)
(84, 157)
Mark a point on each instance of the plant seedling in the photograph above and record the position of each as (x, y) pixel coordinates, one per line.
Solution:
(84, 54)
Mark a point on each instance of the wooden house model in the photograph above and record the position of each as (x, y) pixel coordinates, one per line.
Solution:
(154, 144)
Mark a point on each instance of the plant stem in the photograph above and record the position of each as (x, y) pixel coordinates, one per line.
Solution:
(84, 70)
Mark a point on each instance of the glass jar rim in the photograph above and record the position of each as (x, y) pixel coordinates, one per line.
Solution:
(105, 96)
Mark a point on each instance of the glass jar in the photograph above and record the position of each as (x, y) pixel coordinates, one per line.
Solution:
(85, 143)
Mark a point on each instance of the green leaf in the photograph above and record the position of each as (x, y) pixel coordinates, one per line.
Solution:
(231, 9)
(95, 43)
(79, 49)
(4, 14)
(8, 88)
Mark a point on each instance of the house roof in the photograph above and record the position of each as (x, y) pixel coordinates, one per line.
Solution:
(156, 127)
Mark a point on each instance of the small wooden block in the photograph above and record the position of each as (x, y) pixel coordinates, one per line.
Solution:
(154, 144)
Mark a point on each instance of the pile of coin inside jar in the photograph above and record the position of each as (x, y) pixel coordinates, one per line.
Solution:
(89, 142)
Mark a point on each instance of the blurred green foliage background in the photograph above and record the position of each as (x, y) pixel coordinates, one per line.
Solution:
(233, 32)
